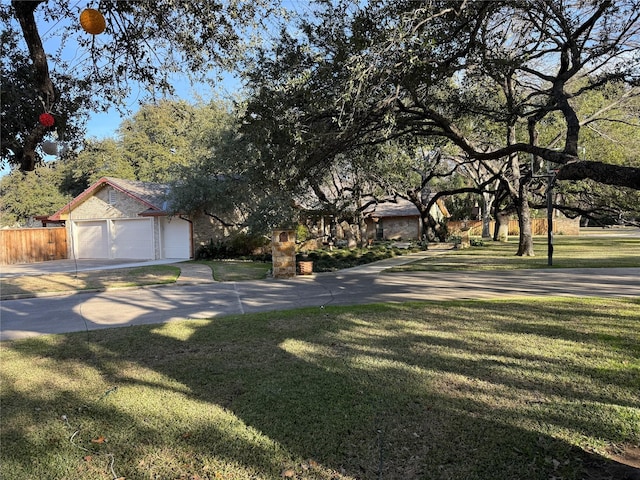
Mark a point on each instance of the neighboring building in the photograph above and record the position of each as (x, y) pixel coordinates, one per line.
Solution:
(399, 219)
(125, 219)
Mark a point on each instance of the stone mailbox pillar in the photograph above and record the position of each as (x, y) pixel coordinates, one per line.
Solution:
(283, 252)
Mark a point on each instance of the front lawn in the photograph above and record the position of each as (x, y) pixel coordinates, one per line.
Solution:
(518, 389)
(569, 252)
(90, 280)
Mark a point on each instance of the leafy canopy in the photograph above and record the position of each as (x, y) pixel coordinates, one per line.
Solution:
(146, 42)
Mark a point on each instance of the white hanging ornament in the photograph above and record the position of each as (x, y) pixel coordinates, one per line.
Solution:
(49, 147)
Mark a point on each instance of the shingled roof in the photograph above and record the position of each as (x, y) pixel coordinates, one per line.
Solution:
(399, 207)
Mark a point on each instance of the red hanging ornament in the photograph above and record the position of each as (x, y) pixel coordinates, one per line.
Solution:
(47, 119)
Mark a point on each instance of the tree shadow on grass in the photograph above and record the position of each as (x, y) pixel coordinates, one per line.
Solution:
(378, 392)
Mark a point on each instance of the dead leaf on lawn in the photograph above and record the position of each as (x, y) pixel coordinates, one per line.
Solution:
(100, 439)
(288, 473)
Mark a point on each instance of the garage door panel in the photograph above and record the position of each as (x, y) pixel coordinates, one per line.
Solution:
(176, 238)
(92, 239)
(132, 239)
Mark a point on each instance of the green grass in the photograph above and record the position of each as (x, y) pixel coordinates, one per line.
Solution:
(569, 252)
(516, 389)
(237, 270)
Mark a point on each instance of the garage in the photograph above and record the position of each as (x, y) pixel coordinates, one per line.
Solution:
(125, 219)
(114, 239)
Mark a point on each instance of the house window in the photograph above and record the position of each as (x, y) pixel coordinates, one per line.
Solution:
(112, 197)
(379, 230)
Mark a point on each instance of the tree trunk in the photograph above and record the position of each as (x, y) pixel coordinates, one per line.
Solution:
(487, 204)
(428, 229)
(525, 242)
(496, 226)
(518, 192)
(24, 13)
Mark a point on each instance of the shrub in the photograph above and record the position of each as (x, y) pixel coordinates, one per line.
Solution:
(211, 250)
(331, 260)
(455, 237)
(243, 245)
(238, 246)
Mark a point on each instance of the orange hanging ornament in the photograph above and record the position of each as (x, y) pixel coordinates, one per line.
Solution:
(92, 21)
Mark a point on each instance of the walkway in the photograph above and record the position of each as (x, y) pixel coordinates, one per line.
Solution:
(194, 273)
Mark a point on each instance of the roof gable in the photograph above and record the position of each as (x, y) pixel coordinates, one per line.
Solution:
(151, 195)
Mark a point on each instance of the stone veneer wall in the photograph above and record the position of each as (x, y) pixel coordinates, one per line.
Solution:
(205, 229)
(283, 252)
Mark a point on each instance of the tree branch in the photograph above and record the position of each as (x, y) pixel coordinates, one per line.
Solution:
(618, 175)
(49, 96)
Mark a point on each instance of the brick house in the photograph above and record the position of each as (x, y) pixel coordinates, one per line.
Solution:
(399, 219)
(125, 219)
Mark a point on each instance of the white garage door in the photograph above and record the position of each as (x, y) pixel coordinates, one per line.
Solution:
(92, 239)
(132, 239)
(176, 238)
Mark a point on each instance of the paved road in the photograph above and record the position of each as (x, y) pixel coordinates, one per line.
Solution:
(117, 308)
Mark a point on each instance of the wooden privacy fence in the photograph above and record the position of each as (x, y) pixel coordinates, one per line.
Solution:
(30, 245)
(564, 226)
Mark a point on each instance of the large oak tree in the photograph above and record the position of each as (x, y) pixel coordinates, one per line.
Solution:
(481, 76)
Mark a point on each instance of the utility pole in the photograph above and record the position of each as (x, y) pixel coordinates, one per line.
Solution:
(551, 179)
